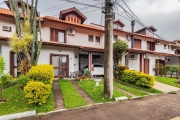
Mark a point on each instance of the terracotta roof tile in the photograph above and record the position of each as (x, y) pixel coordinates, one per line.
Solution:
(4, 11)
(72, 23)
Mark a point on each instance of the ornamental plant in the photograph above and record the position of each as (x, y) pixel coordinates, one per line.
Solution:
(4, 77)
(119, 49)
(37, 92)
(25, 40)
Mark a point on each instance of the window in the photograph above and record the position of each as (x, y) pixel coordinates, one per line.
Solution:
(78, 20)
(151, 46)
(115, 37)
(97, 39)
(137, 43)
(91, 38)
(165, 46)
(6, 28)
(57, 35)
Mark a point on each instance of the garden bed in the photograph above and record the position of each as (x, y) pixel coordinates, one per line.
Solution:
(17, 103)
(97, 92)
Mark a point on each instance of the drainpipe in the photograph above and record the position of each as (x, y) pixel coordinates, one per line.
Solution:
(132, 30)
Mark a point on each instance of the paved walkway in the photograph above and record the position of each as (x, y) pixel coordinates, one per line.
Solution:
(164, 87)
(159, 107)
(82, 93)
(59, 104)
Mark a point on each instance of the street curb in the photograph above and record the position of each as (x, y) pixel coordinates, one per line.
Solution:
(18, 115)
(95, 104)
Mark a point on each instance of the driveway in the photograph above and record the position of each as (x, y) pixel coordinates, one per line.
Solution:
(159, 107)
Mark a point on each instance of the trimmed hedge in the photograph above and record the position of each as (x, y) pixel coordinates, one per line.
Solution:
(118, 71)
(40, 86)
(37, 92)
(43, 73)
(138, 78)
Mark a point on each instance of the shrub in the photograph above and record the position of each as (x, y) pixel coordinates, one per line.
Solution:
(37, 92)
(43, 73)
(22, 80)
(87, 72)
(118, 71)
(138, 78)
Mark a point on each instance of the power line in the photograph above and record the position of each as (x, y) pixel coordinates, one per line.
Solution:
(134, 17)
(86, 8)
(2, 3)
(80, 3)
(51, 9)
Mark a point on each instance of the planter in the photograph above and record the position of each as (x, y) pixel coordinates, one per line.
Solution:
(97, 80)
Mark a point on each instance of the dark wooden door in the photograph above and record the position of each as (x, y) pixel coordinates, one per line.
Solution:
(146, 66)
(61, 65)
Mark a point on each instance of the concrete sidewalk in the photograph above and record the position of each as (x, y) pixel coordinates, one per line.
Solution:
(165, 88)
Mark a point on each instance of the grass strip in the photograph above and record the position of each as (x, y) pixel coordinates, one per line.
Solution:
(130, 89)
(70, 95)
(169, 81)
(150, 90)
(18, 103)
(97, 92)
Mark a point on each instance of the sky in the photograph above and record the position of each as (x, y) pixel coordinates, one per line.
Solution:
(164, 15)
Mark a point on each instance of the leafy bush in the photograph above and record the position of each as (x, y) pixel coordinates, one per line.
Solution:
(87, 72)
(43, 73)
(138, 78)
(118, 71)
(22, 80)
(37, 92)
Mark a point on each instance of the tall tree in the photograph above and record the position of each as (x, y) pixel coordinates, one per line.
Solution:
(28, 26)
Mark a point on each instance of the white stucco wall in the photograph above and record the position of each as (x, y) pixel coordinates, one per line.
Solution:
(5, 52)
(152, 59)
(47, 50)
(7, 21)
(133, 64)
(81, 34)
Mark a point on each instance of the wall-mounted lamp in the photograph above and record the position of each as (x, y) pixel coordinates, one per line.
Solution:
(60, 50)
(157, 42)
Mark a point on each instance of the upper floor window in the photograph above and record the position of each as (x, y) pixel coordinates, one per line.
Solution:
(151, 46)
(73, 19)
(165, 46)
(137, 43)
(97, 39)
(115, 37)
(57, 35)
(91, 38)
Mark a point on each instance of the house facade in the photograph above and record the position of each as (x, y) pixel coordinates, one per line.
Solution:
(69, 44)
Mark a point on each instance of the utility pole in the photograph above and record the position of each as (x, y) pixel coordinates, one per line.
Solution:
(108, 49)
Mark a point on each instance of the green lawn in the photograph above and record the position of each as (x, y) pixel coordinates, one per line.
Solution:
(130, 89)
(169, 81)
(151, 90)
(18, 103)
(70, 95)
(97, 93)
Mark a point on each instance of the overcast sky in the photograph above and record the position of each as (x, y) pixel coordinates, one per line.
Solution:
(162, 14)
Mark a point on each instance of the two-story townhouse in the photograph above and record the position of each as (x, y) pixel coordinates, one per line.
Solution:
(69, 44)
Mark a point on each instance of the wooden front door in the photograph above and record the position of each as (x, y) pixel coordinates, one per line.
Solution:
(61, 65)
(146, 66)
